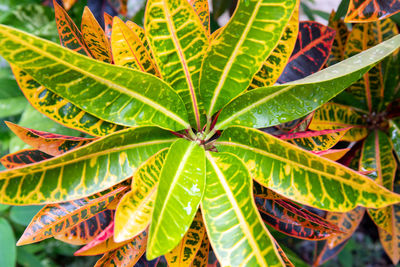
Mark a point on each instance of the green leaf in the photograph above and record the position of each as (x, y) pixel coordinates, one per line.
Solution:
(7, 244)
(394, 132)
(180, 189)
(12, 106)
(270, 106)
(24, 214)
(112, 93)
(240, 50)
(84, 171)
(300, 175)
(236, 232)
(178, 41)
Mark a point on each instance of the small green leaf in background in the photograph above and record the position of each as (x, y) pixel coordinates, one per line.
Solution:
(12, 106)
(8, 254)
(23, 214)
(2, 206)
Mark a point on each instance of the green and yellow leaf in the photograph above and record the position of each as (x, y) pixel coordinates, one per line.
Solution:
(265, 193)
(134, 211)
(136, 99)
(338, 46)
(139, 31)
(203, 11)
(243, 238)
(242, 47)
(302, 176)
(336, 116)
(394, 133)
(84, 171)
(178, 41)
(180, 189)
(391, 242)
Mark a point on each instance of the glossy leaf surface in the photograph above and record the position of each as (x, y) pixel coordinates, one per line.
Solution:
(23, 157)
(127, 255)
(183, 254)
(310, 53)
(87, 231)
(178, 41)
(180, 189)
(333, 154)
(336, 116)
(84, 171)
(391, 242)
(60, 109)
(277, 60)
(300, 175)
(394, 133)
(371, 10)
(291, 219)
(95, 38)
(52, 144)
(270, 106)
(203, 11)
(135, 208)
(242, 239)
(236, 55)
(106, 94)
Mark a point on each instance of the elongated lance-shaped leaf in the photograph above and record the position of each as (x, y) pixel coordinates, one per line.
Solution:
(284, 257)
(327, 253)
(315, 140)
(95, 38)
(347, 222)
(128, 50)
(84, 171)
(239, 51)
(107, 233)
(338, 46)
(23, 157)
(108, 20)
(265, 193)
(370, 89)
(259, 108)
(183, 254)
(394, 133)
(333, 154)
(335, 116)
(134, 210)
(201, 258)
(299, 125)
(242, 239)
(371, 10)
(127, 255)
(302, 176)
(203, 11)
(310, 52)
(70, 36)
(60, 109)
(277, 60)
(178, 41)
(139, 31)
(87, 231)
(53, 219)
(180, 189)
(107, 92)
(291, 219)
(121, 6)
(52, 144)
(391, 242)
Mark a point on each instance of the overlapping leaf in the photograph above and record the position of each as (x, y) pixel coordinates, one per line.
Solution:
(395, 135)
(265, 193)
(105, 93)
(127, 255)
(277, 60)
(239, 51)
(134, 210)
(95, 38)
(333, 154)
(371, 10)
(336, 116)
(391, 241)
(108, 21)
(23, 157)
(84, 171)
(203, 11)
(300, 175)
(139, 31)
(178, 41)
(310, 53)
(293, 220)
(201, 258)
(242, 239)
(183, 254)
(54, 219)
(180, 189)
(52, 144)
(270, 106)
(338, 46)
(87, 231)
(60, 109)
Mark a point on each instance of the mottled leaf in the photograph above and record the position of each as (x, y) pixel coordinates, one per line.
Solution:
(333, 154)
(108, 21)
(338, 46)
(201, 258)
(23, 157)
(371, 10)
(391, 242)
(203, 11)
(394, 133)
(265, 193)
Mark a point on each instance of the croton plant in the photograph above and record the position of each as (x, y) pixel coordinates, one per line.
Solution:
(175, 113)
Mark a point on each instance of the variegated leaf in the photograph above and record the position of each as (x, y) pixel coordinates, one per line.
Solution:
(201, 258)
(300, 175)
(394, 133)
(139, 31)
(336, 116)
(203, 11)
(108, 21)
(338, 46)
(333, 154)
(391, 242)
(23, 157)
(265, 193)
(178, 41)
(242, 238)
(135, 209)
(371, 10)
